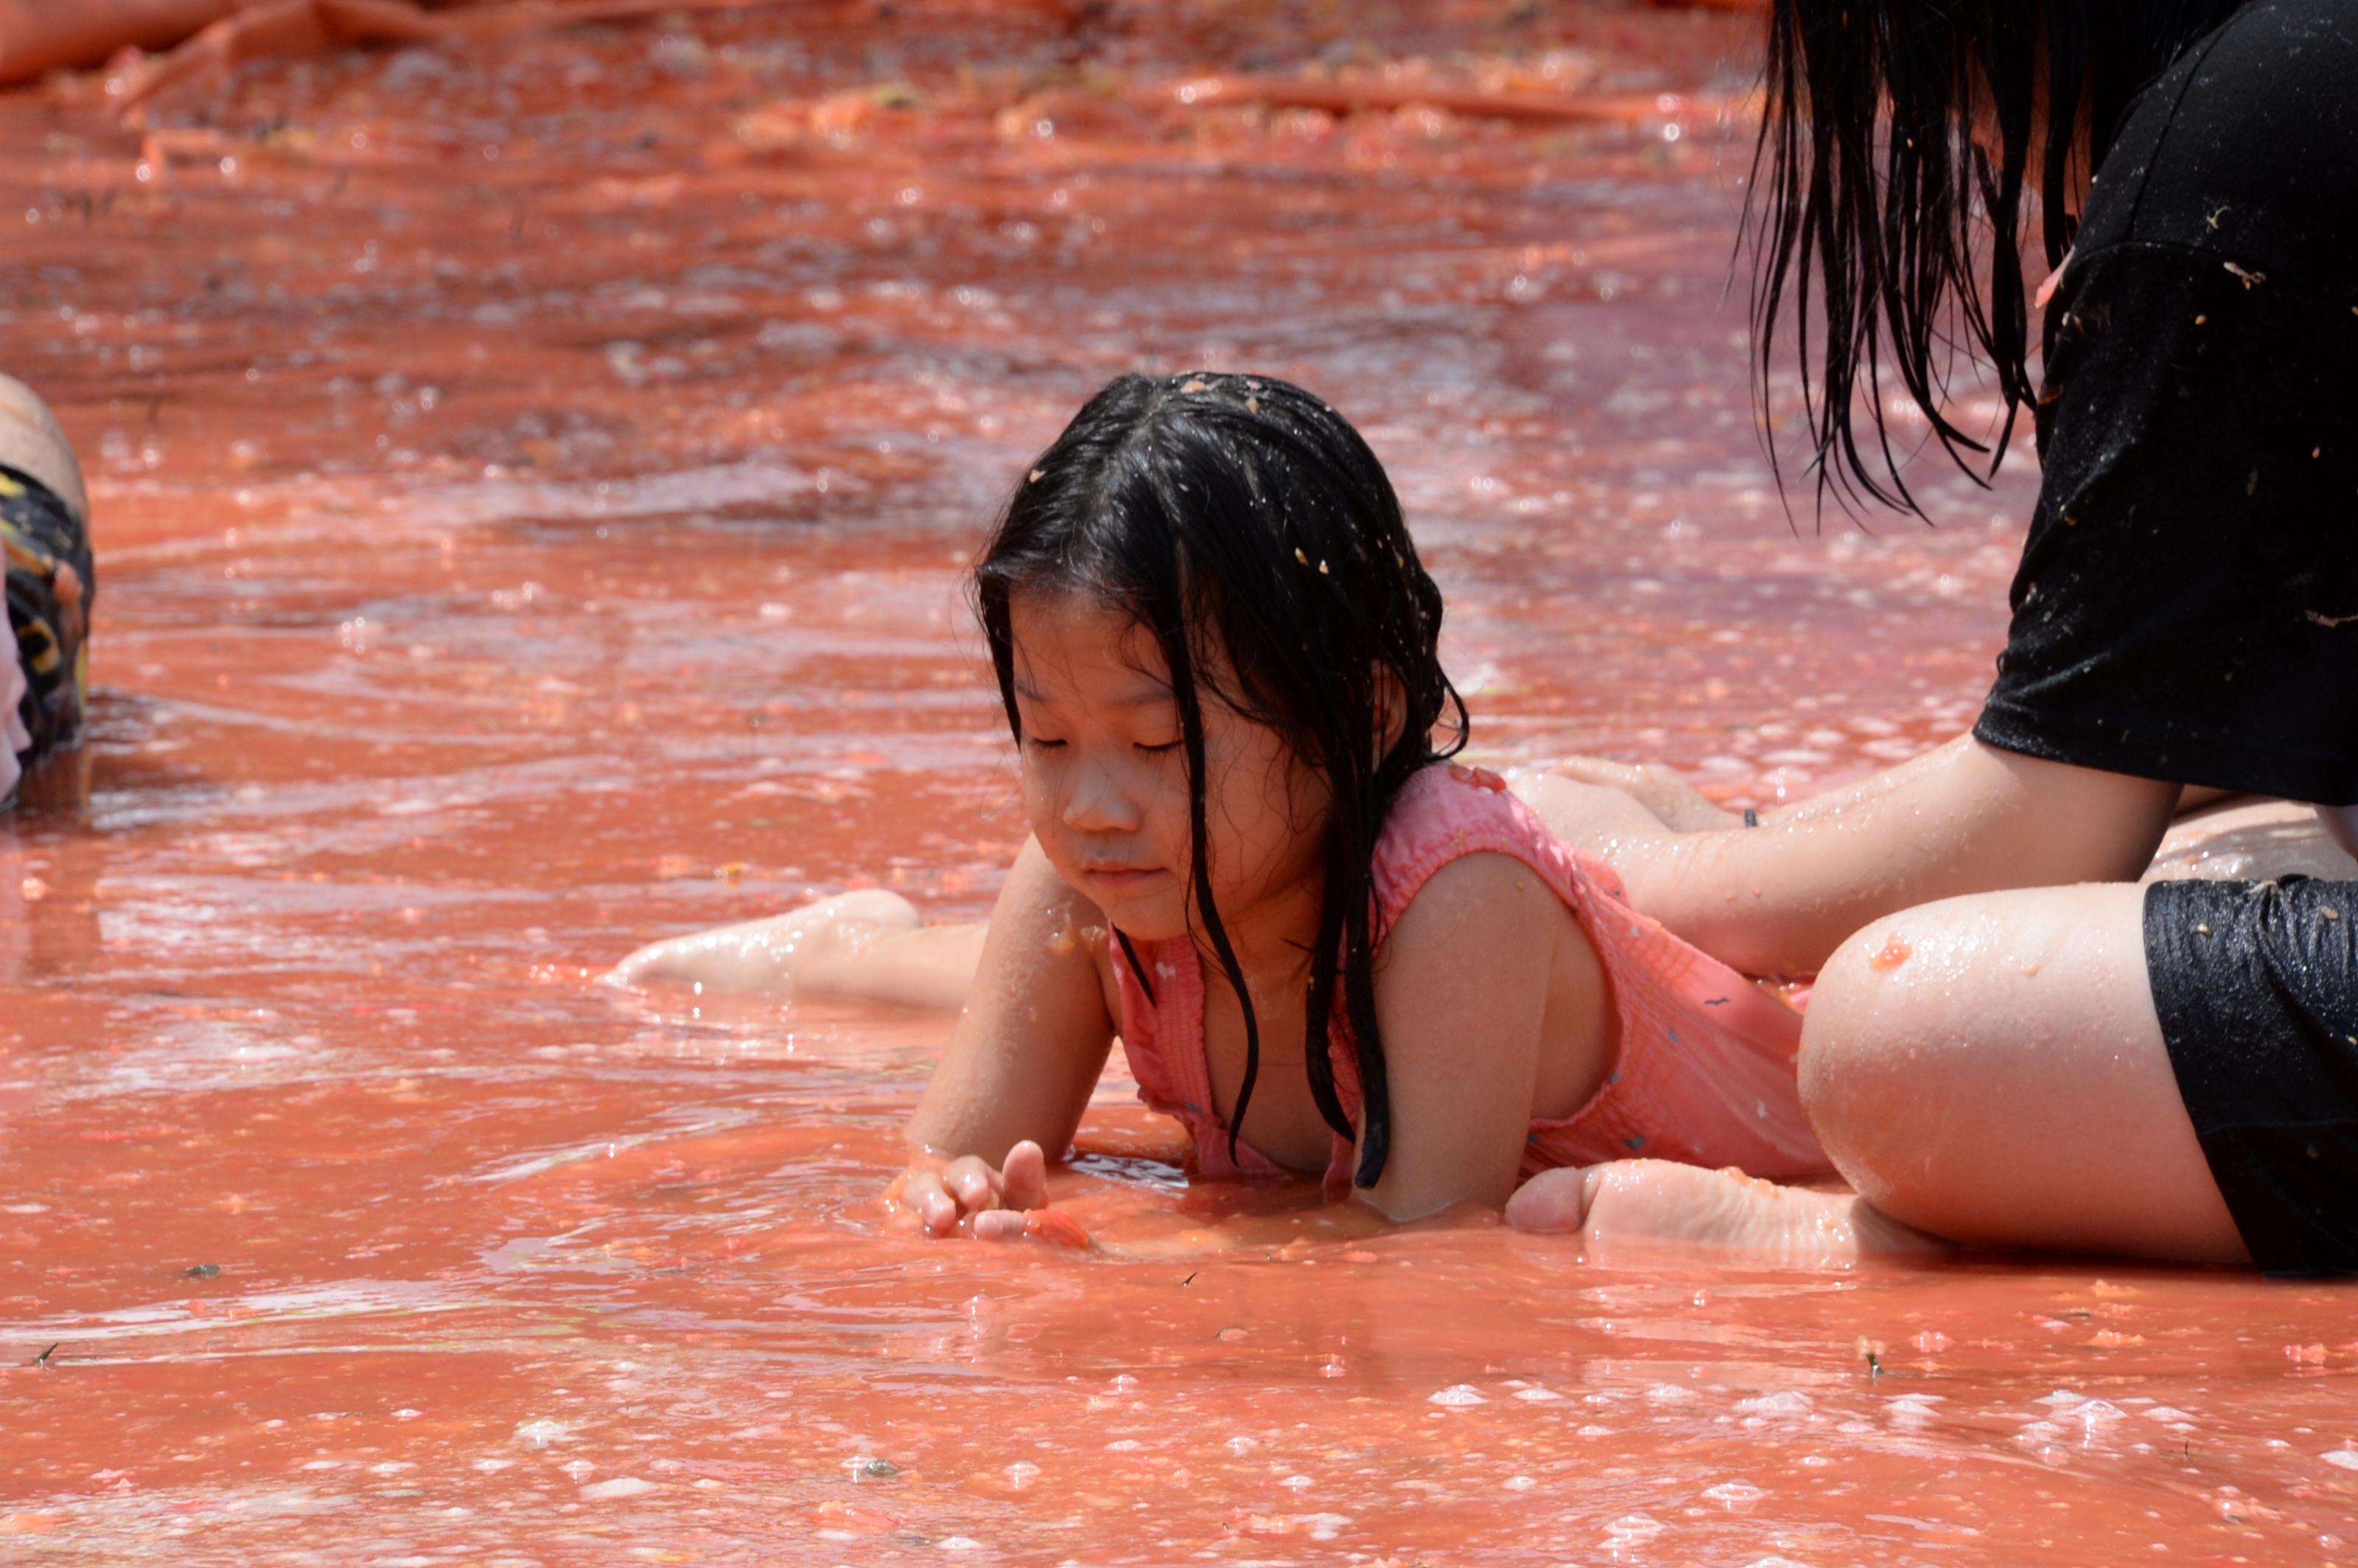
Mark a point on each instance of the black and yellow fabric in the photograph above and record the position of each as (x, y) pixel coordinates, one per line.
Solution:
(51, 581)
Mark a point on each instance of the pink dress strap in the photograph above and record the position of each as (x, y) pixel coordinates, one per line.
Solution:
(1704, 1066)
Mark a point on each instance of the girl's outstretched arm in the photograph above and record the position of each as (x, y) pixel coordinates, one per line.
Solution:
(1964, 818)
(1462, 994)
(1026, 1052)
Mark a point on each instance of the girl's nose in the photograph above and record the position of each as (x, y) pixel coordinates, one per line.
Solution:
(1096, 803)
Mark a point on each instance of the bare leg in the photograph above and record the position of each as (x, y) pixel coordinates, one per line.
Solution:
(36, 36)
(2243, 840)
(259, 27)
(1990, 1068)
(220, 34)
(871, 945)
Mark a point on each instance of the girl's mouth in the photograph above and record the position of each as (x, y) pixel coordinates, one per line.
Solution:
(1121, 878)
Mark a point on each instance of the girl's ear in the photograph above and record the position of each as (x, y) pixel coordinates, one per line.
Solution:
(1392, 711)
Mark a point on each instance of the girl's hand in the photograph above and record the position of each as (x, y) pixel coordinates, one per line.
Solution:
(967, 1194)
(1599, 819)
(1674, 803)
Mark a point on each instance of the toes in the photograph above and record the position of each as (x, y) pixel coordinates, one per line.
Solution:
(1552, 1203)
(1644, 1206)
(1594, 770)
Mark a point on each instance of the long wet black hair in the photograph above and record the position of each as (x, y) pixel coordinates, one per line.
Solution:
(1247, 528)
(1868, 181)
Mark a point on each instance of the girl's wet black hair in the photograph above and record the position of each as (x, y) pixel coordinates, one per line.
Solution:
(1868, 180)
(1250, 530)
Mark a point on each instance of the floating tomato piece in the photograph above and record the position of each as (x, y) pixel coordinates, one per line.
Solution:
(846, 1516)
(1055, 1226)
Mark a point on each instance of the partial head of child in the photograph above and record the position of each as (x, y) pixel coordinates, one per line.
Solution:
(1218, 652)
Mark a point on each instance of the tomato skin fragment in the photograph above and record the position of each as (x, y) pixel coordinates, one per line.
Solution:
(1056, 1228)
(848, 1516)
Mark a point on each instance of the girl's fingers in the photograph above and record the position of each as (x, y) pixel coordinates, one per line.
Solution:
(1646, 780)
(968, 1191)
(1596, 770)
(924, 1196)
(974, 1183)
(999, 1224)
(1024, 1183)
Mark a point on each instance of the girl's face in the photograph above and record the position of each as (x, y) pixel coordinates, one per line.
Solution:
(1105, 779)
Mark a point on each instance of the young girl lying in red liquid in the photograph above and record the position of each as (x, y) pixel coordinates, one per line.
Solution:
(1325, 948)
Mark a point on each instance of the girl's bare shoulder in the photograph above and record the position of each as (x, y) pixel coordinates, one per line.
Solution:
(1477, 912)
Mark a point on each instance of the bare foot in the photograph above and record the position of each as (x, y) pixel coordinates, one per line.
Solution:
(1641, 1206)
(805, 950)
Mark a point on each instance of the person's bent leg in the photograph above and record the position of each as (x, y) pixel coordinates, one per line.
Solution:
(1992, 1069)
(870, 946)
(2246, 839)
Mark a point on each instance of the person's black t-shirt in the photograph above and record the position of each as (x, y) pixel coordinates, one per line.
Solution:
(2187, 606)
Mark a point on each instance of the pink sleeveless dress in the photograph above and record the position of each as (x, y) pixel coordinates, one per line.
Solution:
(1703, 1072)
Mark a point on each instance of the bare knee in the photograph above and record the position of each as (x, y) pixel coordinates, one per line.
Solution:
(1989, 1068)
(1866, 1052)
(1902, 1072)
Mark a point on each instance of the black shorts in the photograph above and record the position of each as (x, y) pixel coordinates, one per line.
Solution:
(2256, 985)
